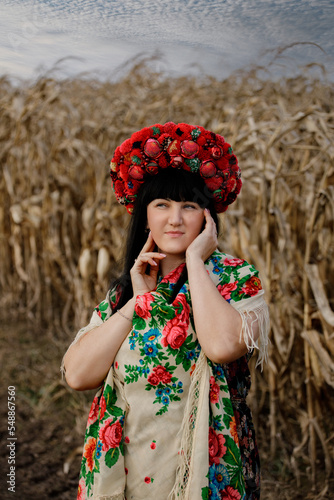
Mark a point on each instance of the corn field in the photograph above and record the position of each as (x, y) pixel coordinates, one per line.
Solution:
(62, 232)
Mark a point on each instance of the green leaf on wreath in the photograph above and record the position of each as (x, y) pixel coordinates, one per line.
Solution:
(103, 306)
(111, 457)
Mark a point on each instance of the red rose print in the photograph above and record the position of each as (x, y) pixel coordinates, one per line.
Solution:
(216, 446)
(110, 434)
(183, 316)
(214, 391)
(126, 440)
(94, 411)
(159, 374)
(81, 490)
(225, 290)
(233, 262)
(153, 379)
(103, 407)
(252, 286)
(153, 445)
(89, 453)
(164, 376)
(174, 333)
(230, 494)
(173, 276)
(143, 305)
(126, 470)
(147, 480)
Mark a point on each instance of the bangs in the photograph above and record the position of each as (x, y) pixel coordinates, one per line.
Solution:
(177, 185)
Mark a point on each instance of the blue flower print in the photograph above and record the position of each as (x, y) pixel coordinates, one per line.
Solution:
(213, 492)
(219, 476)
(150, 350)
(133, 339)
(151, 336)
(159, 392)
(99, 449)
(165, 400)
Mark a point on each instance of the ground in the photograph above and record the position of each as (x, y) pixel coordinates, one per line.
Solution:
(50, 422)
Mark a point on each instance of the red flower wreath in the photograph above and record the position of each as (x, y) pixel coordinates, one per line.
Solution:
(189, 147)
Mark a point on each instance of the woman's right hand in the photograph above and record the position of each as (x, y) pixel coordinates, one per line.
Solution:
(142, 282)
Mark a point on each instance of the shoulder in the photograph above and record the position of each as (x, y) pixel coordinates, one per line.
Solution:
(234, 277)
(222, 264)
(105, 308)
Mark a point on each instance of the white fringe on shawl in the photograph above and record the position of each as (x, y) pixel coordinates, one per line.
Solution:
(252, 311)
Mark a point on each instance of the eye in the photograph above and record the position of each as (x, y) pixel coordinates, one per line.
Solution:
(161, 204)
(191, 206)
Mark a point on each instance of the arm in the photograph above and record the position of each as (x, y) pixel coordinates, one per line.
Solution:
(88, 361)
(218, 324)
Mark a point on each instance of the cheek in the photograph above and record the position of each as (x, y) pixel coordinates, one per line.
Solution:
(197, 226)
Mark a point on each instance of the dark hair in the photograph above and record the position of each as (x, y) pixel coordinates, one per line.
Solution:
(172, 184)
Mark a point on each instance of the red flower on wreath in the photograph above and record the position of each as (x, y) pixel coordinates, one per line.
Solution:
(217, 448)
(252, 286)
(110, 434)
(159, 374)
(89, 453)
(174, 333)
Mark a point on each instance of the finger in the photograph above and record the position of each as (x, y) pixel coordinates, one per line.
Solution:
(210, 223)
(149, 258)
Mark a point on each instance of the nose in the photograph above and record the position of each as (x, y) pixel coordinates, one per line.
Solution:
(175, 215)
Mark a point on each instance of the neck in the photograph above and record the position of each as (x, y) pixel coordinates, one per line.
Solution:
(170, 262)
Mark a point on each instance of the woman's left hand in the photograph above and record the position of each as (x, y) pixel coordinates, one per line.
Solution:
(206, 242)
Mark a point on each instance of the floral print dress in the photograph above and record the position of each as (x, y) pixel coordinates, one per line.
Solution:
(167, 422)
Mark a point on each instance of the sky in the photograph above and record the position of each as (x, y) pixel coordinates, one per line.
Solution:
(214, 37)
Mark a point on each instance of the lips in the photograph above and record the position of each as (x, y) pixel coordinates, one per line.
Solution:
(174, 234)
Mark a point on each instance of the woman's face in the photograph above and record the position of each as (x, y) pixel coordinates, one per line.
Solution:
(174, 224)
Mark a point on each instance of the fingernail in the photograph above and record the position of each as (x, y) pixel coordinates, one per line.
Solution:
(163, 254)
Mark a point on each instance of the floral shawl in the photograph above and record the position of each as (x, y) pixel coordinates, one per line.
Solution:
(162, 425)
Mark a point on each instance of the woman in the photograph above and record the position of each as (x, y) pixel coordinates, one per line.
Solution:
(170, 344)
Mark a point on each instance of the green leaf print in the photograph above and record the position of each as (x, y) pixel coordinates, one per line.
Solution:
(133, 374)
(205, 493)
(110, 395)
(111, 457)
(228, 408)
(93, 429)
(233, 462)
(227, 419)
(103, 306)
(138, 322)
(115, 411)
